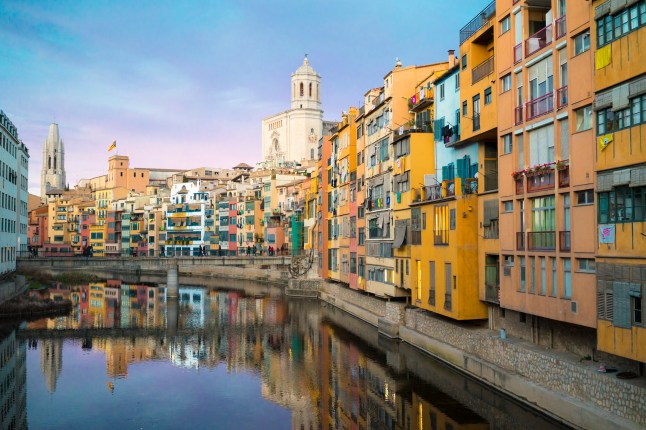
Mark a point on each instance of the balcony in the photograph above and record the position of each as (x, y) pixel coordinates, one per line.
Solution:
(540, 181)
(476, 122)
(484, 18)
(519, 184)
(518, 115)
(539, 106)
(561, 97)
(421, 100)
(520, 241)
(541, 240)
(492, 285)
(491, 230)
(560, 27)
(450, 134)
(564, 174)
(538, 40)
(518, 53)
(482, 70)
(564, 241)
(432, 192)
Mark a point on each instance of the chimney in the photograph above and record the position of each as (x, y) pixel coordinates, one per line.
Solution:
(451, 58)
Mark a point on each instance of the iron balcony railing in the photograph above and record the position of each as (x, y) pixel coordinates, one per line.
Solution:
(519, 185)
(518, 53)
(520, 241)
(541, 181)
(482, 70)
(564, 176)
(538, 40)
(485, 17)
(564, 241)
(560, 27)
(539, 106)
(561, 97)
(518, 115)
(541, 240)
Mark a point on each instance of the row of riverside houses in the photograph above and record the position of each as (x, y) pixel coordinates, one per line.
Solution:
(507, 184)
(162, 212)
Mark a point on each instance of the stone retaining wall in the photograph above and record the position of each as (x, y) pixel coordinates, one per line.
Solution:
(13, 288)
(560, 372)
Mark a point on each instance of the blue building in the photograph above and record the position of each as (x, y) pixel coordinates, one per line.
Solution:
(14, 174)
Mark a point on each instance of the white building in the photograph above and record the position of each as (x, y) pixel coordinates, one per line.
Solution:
(52, 175)
(14, 173)
(186, 220)
(292, 135)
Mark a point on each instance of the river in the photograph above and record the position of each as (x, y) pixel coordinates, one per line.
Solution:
(236, 355)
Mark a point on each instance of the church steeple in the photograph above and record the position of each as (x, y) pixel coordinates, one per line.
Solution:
(53, 171)
(306, 91)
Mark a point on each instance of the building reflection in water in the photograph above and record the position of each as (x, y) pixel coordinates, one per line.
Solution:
(13, 380)
(327, 376)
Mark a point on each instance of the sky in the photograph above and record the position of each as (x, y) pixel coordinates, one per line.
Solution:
(186, 84)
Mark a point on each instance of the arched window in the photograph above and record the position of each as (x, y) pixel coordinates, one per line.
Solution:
(49, 162)
(54, 162)
(310, 89)
(302, 91)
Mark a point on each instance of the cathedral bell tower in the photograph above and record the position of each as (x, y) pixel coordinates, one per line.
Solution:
(53, 172)
(306, 92)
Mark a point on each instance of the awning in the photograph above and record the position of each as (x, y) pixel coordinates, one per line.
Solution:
(400, 235)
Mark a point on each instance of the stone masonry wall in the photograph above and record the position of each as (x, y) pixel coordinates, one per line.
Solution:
(560, 372)
(369, 303)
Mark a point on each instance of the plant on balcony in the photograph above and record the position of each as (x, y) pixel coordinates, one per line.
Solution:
(517, 175)
(561, 165)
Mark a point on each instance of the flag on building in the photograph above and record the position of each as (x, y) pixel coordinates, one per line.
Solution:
(604, 141)
(114, 145)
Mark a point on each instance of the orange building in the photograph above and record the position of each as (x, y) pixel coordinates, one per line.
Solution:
(546, 163)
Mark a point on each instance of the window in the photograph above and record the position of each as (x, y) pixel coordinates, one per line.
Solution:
(609, 120)
(232, 237)
(586, 265)
(431, 274)
(622, 204)
(402, 147)
(585, 197)
(464, 62)
(508, 206)
(532, 275)
(506, 144)
(506, 83)
(567, 278)
(464, 108)
(416, 226)
(543, 276)
(362, 235)
(553, 265)
(505, 25)
(441, 88)
(523, 275)
(611, 27)
(636, 309)
(353, 262)
(457, 81)
(582, 42)
(583, 118)
(441, 227)
(487, 96)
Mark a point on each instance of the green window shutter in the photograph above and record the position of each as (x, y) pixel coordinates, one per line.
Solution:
(621, 317)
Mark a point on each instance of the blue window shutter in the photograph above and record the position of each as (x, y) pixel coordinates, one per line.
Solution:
(437, 130)
(445, 172)
(450, 172)
(462, 168)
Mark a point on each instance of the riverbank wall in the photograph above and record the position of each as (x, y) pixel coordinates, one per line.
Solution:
(557, 384)
(12, 288)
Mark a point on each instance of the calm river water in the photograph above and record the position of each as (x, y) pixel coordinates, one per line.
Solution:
(234, 356)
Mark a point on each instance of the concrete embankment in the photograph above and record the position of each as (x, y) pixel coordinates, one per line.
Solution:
(553, 382)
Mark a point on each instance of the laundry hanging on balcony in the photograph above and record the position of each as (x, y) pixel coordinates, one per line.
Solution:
(400, 234)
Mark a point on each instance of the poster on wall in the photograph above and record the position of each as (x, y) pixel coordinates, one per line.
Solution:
(606, 233)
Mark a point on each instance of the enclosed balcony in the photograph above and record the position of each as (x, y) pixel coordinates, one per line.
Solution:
(563, 174)
(520, 241)
(518, 53)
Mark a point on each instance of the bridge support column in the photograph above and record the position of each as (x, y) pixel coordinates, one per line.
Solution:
(172, 284)
(172, 316)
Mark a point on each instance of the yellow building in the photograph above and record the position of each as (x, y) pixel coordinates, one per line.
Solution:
(97, 239)
(619, 107)
(103, 197)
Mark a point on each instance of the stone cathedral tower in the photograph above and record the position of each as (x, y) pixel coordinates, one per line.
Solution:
(53, 172)
(292, 135)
